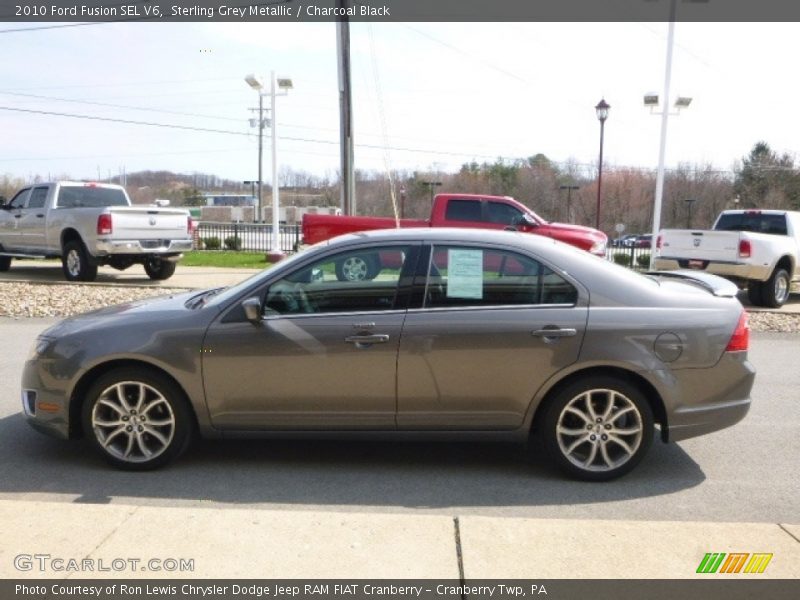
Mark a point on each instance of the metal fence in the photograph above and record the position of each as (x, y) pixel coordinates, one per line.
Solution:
(630, 256)
(257, 237)
(244, 237)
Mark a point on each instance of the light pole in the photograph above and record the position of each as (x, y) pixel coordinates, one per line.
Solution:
(602, 114)
(689, 202)
(431, 185)
(569, 189)
(252, 185)
(285, 84)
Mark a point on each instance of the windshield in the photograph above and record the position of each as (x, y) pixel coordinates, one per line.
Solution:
(86, 196)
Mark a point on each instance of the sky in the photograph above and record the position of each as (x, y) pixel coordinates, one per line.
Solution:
(426, 96)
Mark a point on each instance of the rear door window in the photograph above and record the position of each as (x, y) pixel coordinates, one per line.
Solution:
(473, 276)
(463, 210)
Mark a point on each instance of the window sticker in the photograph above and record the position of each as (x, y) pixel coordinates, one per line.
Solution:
(465, 274)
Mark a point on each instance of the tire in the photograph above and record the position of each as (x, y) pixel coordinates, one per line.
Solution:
(754, 293)
(356, 268)
(75, 262)
(578, 412)
(775, 290)
(5, 263)
(158, 268)
(131, 412)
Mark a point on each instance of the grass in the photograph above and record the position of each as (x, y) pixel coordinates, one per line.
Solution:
(242, 260)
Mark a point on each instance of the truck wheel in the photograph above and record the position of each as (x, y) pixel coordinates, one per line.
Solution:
(775, 290)
(755, 293)
(75, 262)
(158, 268)
(5, 263)
(356, 268)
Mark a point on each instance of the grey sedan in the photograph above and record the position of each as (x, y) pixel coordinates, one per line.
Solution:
(453, 333)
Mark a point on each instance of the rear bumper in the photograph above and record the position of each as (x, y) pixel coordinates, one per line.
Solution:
(128, 247)
(707, 400)
(736, 271)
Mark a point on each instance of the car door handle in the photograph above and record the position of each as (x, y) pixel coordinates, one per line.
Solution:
(18, 216)
(554, 332)
(364, 340)
(40, 216)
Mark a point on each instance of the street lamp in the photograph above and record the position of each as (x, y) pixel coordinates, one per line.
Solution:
(285, 84)
(431, 185)
(569, 189)
(602, 114)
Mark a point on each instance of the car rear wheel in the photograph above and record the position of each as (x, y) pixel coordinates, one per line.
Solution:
(138, 419)
(75, 262)
(5, 263)
(158, 268)
(597, 428)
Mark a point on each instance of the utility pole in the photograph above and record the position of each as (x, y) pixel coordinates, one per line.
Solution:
(569, 189)
(348, 199)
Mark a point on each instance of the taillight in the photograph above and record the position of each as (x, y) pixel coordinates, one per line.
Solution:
(744, 248)
(740, 340)
(104, 225)
(189, 225)
(658, 242)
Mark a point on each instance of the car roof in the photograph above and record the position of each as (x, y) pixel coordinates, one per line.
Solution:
(449, 234)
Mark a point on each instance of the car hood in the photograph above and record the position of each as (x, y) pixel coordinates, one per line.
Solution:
(580, 229)
(145, 311)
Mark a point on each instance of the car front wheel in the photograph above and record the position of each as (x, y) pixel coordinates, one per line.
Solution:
(138, 419)
(597, 428)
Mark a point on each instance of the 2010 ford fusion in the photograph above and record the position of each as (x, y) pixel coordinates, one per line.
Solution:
(432, 333)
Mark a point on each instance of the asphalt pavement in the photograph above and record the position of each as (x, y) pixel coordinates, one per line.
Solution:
(735, 490)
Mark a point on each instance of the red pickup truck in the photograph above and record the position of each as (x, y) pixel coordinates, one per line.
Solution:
(449, 210)
(462, 210)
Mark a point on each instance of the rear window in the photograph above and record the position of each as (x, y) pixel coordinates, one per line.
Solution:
(90, 197)
(753, 222)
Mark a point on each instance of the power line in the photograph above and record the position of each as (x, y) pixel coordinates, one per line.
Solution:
(471, 155)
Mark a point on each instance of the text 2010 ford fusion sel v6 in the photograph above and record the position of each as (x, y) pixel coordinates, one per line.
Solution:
(458, 333)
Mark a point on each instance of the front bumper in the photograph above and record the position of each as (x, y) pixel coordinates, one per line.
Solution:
(44, 405)
(127, 247)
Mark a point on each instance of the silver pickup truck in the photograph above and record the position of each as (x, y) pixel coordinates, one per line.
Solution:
(92, 224)
(756, 249)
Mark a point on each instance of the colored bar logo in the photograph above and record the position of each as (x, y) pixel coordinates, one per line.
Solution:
(735, 562)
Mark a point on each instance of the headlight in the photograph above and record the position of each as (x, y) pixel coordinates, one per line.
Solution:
(39, 347)
(598, 248)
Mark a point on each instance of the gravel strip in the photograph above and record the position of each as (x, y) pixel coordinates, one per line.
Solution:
(38, 300)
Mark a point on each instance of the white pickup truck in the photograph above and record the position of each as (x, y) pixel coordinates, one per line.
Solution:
(757, 249)
(92, 224)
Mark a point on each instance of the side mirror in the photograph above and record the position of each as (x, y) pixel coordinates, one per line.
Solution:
(252, 309)
(524, 219)
(3, 201)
